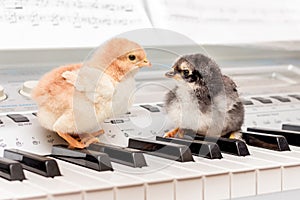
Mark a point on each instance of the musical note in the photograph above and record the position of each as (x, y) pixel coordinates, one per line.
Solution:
(38, 12)
(66, 21)
(34, 18)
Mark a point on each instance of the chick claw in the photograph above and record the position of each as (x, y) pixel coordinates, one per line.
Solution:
(174, 132)
(97, 133)
(236, 135)
(82, 141)
(89, 140)
(73, 143)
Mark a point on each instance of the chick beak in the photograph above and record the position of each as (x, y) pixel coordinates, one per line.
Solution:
(172, 74)
(145, 62)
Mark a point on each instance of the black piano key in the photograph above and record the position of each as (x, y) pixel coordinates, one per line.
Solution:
(247, 102)
(267, 141)
(11, 170)
(262, 100)
(18, 118)
(281, 98)
(122, 155)
(150, 108)
(198, 148)
(296, 96)
(166, 150)
(226, 145)
(292, 137)
(35, 163)
(87, 158)
(291, 127)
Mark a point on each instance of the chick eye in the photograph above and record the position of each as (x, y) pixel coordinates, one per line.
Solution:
(131, 57)
(185, 72)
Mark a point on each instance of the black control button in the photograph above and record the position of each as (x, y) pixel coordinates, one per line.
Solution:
(150, 108)
(262, 100)
(247, 102)
(18, 118)
(280, 98)
(291, 127)
(1, 122)
(117, 121)
(296, 96)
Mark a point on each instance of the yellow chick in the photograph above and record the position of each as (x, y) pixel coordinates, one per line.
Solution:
(73, 99)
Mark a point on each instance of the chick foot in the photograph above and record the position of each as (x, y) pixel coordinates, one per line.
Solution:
(89, 138)
(236, 135)
(73, 143)
(81, 141)
(97, 133)
(171, 133)
(174, 132)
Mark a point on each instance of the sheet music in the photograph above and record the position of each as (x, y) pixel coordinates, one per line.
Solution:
(228, 21)
(67, 23)
(27, 24)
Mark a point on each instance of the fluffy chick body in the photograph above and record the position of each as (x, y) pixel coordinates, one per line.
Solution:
(204, 100)
(74, 99)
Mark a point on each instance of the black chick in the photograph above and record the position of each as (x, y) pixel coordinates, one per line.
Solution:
(204, 100)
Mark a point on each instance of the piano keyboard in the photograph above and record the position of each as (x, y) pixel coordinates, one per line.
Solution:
(139, 164)
(133, 161)
(263, 171)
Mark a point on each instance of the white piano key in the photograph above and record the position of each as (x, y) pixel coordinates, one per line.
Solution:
(162, 172)
(263, 170)
(292, 154)
(155, 191)
(93, 188)
(214, 179)
(155, 181)
(294, 148)
(4, 195)
(184, 179)
(290, 164)
(55, 187)
(193, 177)
(22, 190)
(125, 187)
(238, 174)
